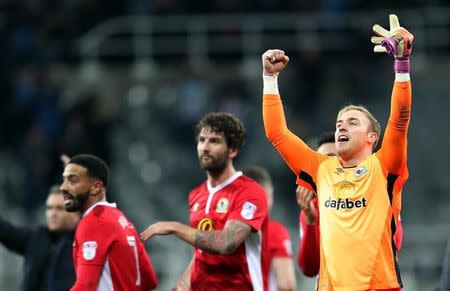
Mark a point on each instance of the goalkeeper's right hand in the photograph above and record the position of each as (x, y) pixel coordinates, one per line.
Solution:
(396, 41)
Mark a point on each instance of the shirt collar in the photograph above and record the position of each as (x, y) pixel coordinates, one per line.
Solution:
(224, 183)
(104, 203)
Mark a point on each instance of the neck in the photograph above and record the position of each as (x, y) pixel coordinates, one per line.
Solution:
(218, 178)
(93, 200)
(354, 160)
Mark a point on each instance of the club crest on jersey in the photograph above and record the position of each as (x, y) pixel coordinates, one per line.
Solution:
(360, 171)
(248, 210)
(344, 189)
(222, 205)
(89, 250)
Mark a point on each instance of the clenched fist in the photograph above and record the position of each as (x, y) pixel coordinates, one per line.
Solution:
(274, 61)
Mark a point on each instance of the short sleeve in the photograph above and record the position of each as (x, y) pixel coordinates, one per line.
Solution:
(250, 206)
(94, 239)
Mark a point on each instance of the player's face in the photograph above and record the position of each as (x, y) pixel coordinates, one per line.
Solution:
(212, 150)
(58, 219)
(328, 149)
(352, 133)
(76, 187)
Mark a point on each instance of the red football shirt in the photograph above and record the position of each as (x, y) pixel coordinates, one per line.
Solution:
(108, 254)
(279, 247)
(238, 198)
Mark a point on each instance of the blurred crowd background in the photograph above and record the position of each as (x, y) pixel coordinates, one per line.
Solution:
(127, 81)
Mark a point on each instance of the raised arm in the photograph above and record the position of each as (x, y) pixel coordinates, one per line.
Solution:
(397, 42)
(294, 151)
(13, 237)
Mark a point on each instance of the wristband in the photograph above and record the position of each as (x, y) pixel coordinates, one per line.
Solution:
(270, 84)
(402, 65)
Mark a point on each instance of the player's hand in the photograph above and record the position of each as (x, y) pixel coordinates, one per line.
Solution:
(396, 41)
(274, 61)
(304, 200)
(159, 228)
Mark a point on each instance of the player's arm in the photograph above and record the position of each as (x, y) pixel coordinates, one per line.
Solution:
(14, 237)
(308, 258)
(88, 277)
(149, 281)
(285, 274)
(309, 248)
(94, 239)
(282, 262)
(248, 213)
(223, 242)
(398, 43)
(184, 281)
(294, 151)
(393, 150)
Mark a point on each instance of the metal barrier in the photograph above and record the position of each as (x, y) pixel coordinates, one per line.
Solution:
(145, 38)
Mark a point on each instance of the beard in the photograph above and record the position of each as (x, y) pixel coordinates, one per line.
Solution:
(77, 201)
(215, 166)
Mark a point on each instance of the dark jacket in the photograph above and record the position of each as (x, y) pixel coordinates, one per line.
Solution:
(47, 256)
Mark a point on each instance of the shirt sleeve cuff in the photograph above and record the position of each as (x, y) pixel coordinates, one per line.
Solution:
(402, 77)
(270, 85)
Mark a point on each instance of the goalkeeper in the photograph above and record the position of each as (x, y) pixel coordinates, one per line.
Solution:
(359, 192)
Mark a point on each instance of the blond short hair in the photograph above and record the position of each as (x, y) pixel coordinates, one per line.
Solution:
(374, 125)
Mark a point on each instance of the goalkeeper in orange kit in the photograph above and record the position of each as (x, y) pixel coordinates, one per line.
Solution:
(359, 191)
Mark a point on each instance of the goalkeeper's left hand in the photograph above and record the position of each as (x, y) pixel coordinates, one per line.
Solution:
(396, 41)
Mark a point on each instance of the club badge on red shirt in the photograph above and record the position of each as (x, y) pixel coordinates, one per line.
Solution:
(89, 250)
(248, 210)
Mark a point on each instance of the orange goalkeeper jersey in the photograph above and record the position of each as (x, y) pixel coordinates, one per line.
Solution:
(358, 206)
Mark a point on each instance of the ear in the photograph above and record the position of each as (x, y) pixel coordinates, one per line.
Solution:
(373, 136)
(233, 153)
(97, 188)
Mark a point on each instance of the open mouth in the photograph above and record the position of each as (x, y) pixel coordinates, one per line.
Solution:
(67, 197)
(343, 138)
